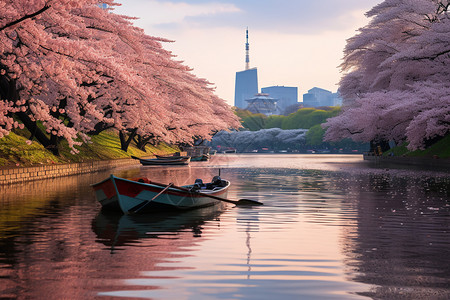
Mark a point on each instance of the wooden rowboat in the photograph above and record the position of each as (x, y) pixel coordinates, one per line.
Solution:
(171, 156)
(175, 160)
(202, 157)
(131, 196)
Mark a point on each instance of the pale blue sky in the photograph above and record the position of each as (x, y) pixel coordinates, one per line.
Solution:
(292, 42)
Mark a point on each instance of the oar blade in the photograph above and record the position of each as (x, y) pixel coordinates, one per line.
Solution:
(248, 202)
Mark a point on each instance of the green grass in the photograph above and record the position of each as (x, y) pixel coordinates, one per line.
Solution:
(14, 151)
(440, 149)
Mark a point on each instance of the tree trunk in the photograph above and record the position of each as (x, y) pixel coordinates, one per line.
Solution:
(50, 144)
(379, 146)
(9, 92)
(124, 141)
(99, 127)
(198, 141)
(141, 142)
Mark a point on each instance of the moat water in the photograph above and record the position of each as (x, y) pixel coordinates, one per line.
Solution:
(331, 227)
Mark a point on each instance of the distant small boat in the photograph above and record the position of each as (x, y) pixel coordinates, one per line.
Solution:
(173, 160)
(230, 151)
(143, 195)
(171, 156)
(203, 157)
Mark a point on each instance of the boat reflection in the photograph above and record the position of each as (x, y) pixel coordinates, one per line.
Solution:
(116, 230)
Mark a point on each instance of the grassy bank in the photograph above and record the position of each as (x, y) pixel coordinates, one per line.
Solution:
(440, 149)
(14, 151)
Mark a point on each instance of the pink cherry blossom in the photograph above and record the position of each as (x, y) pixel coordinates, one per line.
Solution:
(396, 80)
(79, 69)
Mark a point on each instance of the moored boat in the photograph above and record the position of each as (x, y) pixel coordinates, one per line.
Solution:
(171, 156)
(229, 151)
(203, 157)
(174, 160)
(131, 196)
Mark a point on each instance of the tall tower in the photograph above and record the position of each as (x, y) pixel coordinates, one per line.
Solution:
(247, 51)
(246, 81)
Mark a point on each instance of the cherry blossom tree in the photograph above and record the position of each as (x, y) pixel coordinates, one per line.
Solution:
(77, 68)
(396, 78)
(39, 68)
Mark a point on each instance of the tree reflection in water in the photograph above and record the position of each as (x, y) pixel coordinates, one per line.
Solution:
(331, 228)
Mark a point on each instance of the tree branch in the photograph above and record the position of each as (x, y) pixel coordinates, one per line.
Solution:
(46, 6)
(431, 57)
(354, 132)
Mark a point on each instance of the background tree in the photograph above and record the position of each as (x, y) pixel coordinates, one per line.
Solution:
(308, 117)
(396, 78)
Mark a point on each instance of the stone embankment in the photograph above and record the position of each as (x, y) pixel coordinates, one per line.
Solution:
(22, 174)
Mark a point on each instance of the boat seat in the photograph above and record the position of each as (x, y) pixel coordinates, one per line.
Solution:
(141, 179)
(218, 182)
(198, 185)
(215, 184)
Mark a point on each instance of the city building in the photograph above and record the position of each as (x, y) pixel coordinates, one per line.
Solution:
(319, 97)
(337, 99)
(263, 104)
(286, 96)
(246, 81)
(275, 99)
(246, 87)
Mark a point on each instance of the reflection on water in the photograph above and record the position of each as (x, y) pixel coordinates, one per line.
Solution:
(116, 230)
(331, 228)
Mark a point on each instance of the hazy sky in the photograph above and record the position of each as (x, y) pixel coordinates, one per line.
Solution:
(292, 42)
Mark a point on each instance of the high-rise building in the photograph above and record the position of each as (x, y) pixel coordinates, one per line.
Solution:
(285, 95)
(319, 97)
(246, 85)
(337, 99)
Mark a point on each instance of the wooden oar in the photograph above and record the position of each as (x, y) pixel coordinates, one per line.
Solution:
(246, 202)
(138, 207)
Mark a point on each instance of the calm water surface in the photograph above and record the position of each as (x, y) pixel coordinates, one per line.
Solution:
(332, 227)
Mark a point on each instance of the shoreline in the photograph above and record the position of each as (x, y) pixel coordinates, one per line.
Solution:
(427, 162)
(14, 175)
